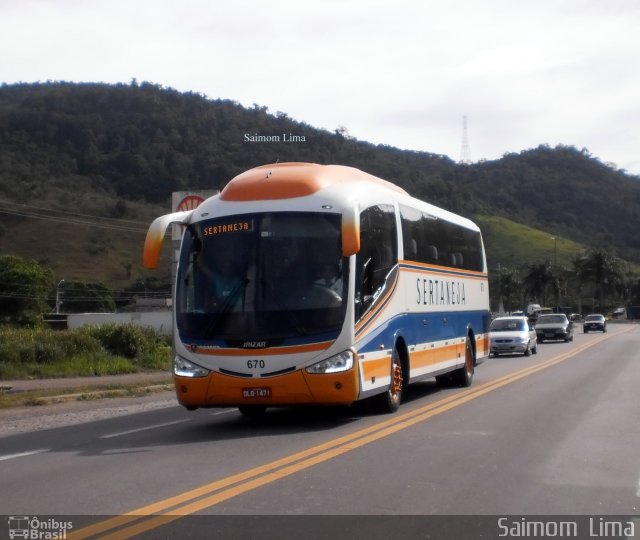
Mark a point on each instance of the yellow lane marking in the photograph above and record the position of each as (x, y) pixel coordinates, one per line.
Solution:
(216, 492)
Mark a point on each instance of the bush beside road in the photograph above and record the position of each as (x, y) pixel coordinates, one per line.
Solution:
(110, 349)
(41, 366)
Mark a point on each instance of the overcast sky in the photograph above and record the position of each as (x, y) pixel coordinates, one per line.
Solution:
(397, 72)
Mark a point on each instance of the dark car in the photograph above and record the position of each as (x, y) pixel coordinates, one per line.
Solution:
(594, 322)
(554, 326)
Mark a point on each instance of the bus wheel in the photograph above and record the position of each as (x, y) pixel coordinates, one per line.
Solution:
(390, 400)
(252, 411)
(464, 375)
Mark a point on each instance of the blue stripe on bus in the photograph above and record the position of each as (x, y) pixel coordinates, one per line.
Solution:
(412, 328)
(370, 317)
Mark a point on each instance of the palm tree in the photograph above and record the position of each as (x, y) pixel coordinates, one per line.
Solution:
(634, 293)
(539, 281)
(509, 287)
(603, 271)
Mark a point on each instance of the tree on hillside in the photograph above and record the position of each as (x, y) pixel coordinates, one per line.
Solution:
(118, 151)
(540, 281)
(81, 297)
(24, 288)
(604, 272)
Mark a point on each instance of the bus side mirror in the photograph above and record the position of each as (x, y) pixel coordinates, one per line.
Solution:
(155, 236)
(350, 234)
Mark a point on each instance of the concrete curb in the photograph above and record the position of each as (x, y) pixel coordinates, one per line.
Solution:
(92, 395)
(37, 392)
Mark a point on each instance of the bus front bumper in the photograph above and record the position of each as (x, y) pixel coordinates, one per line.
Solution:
(296, 388)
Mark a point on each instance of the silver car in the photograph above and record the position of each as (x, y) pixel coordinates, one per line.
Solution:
(554, 326)
(512, 335)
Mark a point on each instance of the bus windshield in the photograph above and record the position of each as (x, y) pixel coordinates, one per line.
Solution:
(262, 278)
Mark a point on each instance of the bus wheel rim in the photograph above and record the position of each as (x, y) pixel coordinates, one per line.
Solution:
(396, 383)
(468, 359)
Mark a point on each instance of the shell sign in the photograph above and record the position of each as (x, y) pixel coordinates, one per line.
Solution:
(189, 203)
(187, 200)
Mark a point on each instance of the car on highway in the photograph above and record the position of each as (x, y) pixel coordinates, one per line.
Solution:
(554, 326)
(595, 321)
(512, 335)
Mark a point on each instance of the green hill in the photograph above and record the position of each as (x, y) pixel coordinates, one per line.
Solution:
(84, 168)
(518, 246)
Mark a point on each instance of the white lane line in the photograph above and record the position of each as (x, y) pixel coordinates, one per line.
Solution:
(23, 454)
(146, 428)
(638, 492)
(226, 411)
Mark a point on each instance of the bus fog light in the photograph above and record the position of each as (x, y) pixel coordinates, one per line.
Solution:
(183, 368)
(335, 364)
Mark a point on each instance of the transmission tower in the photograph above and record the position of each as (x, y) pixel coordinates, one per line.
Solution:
(465, 153)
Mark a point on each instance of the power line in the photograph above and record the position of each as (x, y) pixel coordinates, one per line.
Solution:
(69, 299)
(69, 289)
(71, 221)
(74, 214)
(71, 218)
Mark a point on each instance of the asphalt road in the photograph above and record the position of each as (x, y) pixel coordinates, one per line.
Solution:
(552, 434)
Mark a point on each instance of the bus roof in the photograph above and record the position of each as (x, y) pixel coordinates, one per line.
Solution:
(290, 180)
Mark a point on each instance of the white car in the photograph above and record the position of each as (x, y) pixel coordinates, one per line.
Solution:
(512, 335)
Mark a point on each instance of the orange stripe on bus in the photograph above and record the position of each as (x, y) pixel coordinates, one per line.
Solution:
(436, 355)
(376, 368)
(482, 345)
(293, 349)
(471, 274)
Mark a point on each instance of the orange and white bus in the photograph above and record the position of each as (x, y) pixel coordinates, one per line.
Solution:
(321, 284)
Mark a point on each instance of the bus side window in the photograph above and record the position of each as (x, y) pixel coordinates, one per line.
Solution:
(378, 254)
(412, 251)
(432, 254)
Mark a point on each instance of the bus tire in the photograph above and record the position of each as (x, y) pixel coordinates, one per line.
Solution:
(391, 399)
(464, 375)
(252, 411)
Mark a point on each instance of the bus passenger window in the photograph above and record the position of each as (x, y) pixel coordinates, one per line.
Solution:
(377, 256)
(432, 254)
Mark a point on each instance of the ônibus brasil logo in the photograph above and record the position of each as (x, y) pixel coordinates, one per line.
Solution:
(38, 529)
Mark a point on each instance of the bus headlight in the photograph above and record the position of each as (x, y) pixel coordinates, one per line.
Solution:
(183, 368)
(335, 364)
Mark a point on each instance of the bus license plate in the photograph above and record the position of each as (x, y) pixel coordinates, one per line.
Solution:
(251, 393)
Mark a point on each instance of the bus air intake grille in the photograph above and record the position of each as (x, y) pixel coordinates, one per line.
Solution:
(281, 372)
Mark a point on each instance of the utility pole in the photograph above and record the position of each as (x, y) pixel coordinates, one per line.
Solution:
(58, 296)
(465, 153)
